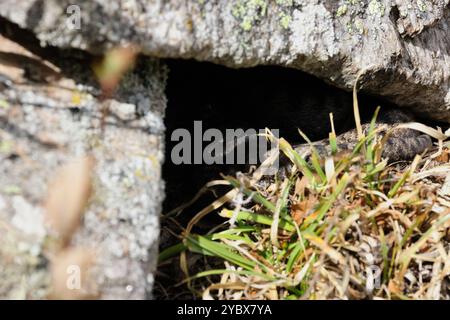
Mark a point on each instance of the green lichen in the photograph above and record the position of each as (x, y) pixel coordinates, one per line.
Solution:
(359, 26)
(238, 10)
(284, 3)
(4, 104)
(11, 189)
(342, 10)
(249, 12)
(422, 5)
(376, 8)
(6, 146)
(285, 20)
(247, 24)
(349, 26)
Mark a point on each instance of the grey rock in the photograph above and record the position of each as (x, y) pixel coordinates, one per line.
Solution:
(400, 46)
(46, 125)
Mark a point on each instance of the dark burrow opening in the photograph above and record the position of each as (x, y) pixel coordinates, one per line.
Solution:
(225, 98)
(251, 98)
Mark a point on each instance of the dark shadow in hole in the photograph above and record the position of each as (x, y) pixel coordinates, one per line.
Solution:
(224, 98)
(74, 63)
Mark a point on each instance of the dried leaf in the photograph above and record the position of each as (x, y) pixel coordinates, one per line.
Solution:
(299, 210)
(114, 65)
(68, 196)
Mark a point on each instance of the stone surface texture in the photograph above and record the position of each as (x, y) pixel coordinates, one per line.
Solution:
(401, 46)
(47, 124)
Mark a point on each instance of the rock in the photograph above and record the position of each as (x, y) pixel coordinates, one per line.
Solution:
(47, 123)
(401, 46)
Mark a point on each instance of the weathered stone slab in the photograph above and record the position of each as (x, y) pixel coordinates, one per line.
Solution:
(49, 122)
(402, 46)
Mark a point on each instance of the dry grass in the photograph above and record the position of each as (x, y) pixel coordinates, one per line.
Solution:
(350, 226)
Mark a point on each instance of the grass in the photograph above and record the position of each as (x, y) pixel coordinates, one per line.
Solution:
(346, 226)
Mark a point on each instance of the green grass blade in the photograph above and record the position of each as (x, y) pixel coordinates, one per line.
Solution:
(301, 164)
(314, 158)
(221, 250)
(171, 252)
(257, 218)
